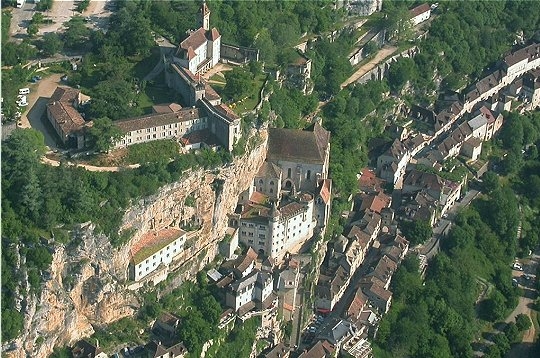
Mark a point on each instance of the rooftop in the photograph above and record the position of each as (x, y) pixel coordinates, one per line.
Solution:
(152, 242)
(308, 145)
(158, 119)
(420, 10)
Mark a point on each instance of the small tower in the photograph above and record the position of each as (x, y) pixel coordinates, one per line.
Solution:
(205, 16)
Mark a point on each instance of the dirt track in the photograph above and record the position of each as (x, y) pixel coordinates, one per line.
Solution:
(362, 70)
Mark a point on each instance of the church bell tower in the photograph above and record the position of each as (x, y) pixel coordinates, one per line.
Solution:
(205, 16)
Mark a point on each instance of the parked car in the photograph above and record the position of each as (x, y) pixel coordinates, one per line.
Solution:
(24, 91)
(517, 266)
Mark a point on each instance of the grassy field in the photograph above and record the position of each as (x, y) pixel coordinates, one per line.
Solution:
(218, 78)
(137, 153)
(249, 103)
(154, 95)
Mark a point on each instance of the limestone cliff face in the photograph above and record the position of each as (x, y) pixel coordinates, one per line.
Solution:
(89, 278)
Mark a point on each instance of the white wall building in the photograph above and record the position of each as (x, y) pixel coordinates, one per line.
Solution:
(154, 249)
(274, 231)
(257, 286)
(201, 50)
(420, 14)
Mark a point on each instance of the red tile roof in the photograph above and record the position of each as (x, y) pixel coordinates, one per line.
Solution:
(420, 10)
(326, 187)
(195, 40)
(62, 110)
(213, 35)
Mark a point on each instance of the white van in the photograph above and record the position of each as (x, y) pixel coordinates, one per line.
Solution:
(24, 91)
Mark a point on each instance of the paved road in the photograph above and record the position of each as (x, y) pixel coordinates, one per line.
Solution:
(37, 100)
(525, 306)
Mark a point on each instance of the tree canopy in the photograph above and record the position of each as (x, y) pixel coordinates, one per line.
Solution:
(104, 134)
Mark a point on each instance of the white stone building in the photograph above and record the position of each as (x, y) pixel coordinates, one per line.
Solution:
(420, 14)
(274, 230)
(155, 249)
(201, 50)
(256, 288)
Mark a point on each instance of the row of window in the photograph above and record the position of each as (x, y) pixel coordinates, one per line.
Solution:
(308, 174)
(170, 126)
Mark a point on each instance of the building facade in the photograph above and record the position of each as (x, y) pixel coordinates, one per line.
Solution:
(154, 250)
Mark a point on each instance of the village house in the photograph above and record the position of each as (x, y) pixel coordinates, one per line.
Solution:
(321, 349)
(451, 145)
(287, 288)
(363, 7)
(418, 206)
(252, 291)
(155, 249)
(278, 351)
(339, 331)
(445, 192)
(471, 148)
(369, 183)
(167, 325)
(83, 349)
(420, 14)
(358, 346)
(242, 266)
(378, 295)
(531, 88)
(392, 163)
(299, 74)
(157, 350)
(384, 270)
(330, 288)
(521, 61)
(499, 102)
(397, 248)
(483, 89)
(63, 114)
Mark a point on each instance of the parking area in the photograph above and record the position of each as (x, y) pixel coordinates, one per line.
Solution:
(20, 19)
(62, 11)
(34, 113)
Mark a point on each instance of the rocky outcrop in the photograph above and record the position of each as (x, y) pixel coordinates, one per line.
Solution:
(88, 281)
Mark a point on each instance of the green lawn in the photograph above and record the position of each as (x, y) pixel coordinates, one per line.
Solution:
(152, 151)
(250, 102)
(154, 95)
(218, 78)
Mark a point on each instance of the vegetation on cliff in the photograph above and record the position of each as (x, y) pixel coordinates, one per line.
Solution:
(40, 203)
